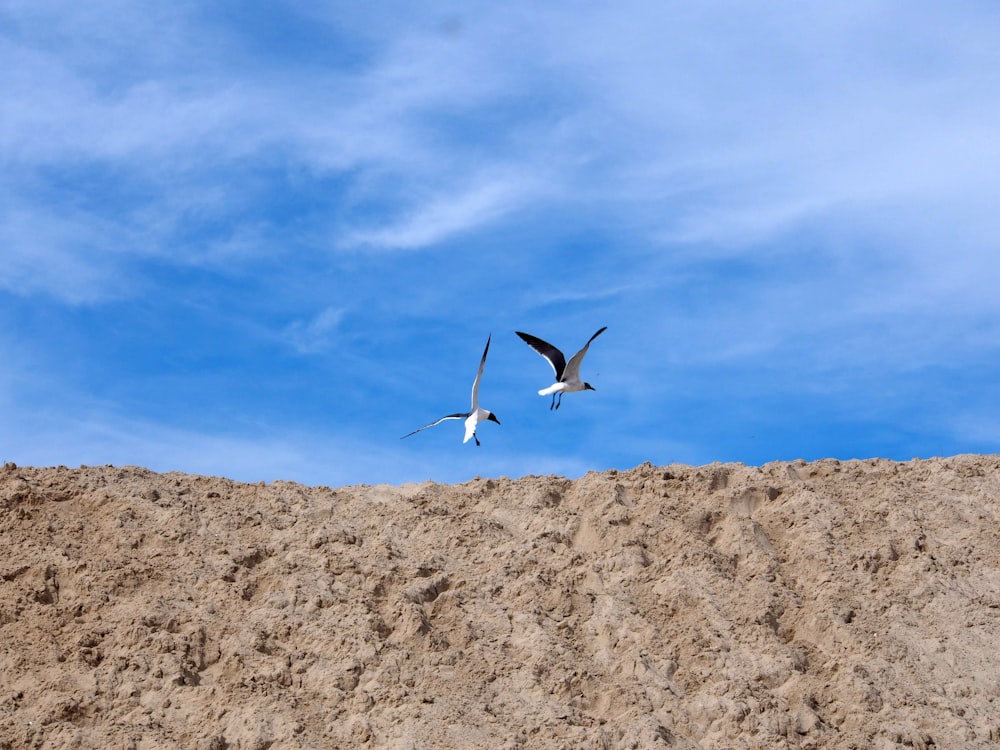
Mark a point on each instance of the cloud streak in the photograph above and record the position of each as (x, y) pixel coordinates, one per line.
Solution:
(777, 143)
(314, 334)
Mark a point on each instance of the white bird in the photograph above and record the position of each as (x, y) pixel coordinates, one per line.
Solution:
(567, 375)
(475, 415)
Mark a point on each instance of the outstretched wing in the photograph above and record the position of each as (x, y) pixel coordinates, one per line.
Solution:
(553, 355)
(573, 368)
(475, 383)
(439, 421)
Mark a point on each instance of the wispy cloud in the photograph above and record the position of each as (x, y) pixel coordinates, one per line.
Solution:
(314, 334)
(779, 140)
(70, 256)
(102, 438)
(470, 206)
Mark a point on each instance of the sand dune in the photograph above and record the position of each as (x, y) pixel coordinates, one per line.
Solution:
(804, 605)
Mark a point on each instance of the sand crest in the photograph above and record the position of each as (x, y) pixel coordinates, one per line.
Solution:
(803, 605)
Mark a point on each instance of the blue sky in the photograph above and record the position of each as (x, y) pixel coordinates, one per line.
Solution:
(265, 240)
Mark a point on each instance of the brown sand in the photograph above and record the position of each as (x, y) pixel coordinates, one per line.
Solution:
(807, 605)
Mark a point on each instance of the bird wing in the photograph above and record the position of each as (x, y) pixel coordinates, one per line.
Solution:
(573, 368)
(436, 422)
(475, 383)
(553, 355)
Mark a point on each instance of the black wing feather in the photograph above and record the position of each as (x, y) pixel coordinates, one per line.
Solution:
(435, 422)
(553, 355)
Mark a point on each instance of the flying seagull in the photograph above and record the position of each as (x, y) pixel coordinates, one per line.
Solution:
(567, 375)
(473, 417)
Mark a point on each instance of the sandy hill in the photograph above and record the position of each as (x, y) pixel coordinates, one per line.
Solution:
(804, 605)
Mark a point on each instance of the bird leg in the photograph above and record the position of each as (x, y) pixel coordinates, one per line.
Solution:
(553, 404)
(559, 402)
(475, 438)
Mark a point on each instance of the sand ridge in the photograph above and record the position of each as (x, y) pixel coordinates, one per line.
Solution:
(803, 605)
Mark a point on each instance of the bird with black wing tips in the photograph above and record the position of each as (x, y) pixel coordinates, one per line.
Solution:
(475, 415)
(567, 374)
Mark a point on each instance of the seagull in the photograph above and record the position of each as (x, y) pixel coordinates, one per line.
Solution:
(567, 375)
(473, 417)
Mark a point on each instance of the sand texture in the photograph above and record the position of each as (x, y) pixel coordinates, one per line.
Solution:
(830, 604)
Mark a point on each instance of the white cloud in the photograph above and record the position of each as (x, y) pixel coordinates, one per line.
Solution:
(314, 335)
(456, 209)
(69, 256)
(101, 438)
(716, 128)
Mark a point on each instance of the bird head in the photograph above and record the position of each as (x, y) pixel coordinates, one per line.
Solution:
(588, 387)
(493, 418)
